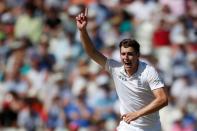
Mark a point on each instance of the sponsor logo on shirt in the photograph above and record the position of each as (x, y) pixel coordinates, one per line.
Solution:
(122, 78)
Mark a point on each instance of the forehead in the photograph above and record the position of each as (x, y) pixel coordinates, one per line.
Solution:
(128, 49)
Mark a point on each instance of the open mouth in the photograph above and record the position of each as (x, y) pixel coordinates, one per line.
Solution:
(128, 64)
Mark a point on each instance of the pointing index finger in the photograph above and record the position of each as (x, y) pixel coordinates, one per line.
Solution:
(86, 11)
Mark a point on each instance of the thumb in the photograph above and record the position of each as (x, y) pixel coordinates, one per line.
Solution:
(123, 116)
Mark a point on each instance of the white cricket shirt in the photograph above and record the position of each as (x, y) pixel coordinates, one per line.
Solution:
(135, 92)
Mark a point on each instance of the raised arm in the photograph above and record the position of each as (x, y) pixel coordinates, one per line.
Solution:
(82, 22)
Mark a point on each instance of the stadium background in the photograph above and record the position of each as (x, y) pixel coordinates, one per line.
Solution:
(48, 83)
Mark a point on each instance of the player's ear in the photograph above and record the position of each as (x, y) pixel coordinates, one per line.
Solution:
(138, 54)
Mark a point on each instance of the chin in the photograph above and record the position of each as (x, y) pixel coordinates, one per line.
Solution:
(128, 67)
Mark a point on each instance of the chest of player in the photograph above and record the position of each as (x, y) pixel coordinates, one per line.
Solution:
(134, 83)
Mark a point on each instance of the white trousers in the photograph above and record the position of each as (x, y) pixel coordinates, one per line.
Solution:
(123, 126)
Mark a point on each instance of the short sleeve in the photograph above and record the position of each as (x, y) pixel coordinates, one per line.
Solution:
(154, 81)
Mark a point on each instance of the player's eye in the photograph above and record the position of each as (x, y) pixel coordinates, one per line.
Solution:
(131, 53)
(122, 53)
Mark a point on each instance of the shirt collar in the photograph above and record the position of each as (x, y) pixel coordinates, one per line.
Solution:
(123, 72)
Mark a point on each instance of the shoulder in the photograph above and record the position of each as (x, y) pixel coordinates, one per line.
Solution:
(113, 63)
(146, 66)
(147, 69)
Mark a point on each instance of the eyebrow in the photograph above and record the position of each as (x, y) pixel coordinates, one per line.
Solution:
(130, 52)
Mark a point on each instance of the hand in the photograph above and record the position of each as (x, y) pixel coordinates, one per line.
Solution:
(81, 19)
(130, 117)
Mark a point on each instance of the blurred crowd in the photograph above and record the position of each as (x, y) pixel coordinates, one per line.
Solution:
(48, 83)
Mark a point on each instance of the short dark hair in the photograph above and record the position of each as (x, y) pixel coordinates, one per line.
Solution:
(130, 43)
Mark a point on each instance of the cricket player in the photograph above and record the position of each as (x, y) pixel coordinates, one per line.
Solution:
(141, 92)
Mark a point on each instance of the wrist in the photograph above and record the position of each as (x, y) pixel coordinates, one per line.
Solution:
(139, 113)
(83, 30)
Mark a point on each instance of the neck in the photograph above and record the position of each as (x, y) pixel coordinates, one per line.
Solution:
(133, 70)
